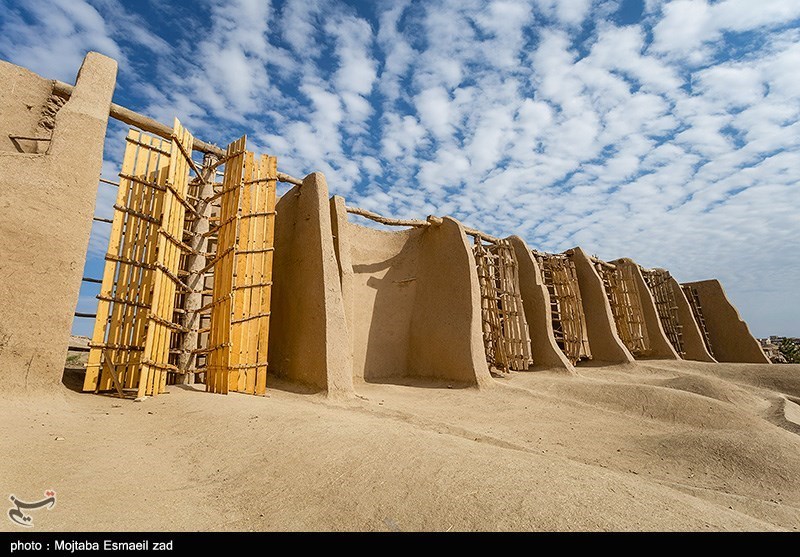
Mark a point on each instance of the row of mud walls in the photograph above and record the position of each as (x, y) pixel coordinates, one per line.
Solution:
(348, 301)
(47, 202)
(730, 336)
(412, 303)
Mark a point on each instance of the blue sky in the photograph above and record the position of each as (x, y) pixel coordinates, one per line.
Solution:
(665, 131)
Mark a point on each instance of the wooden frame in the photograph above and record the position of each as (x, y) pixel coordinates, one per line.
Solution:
(505, 332)
(658, 281)
(626, 307)
(130, 348)
(566, 307)
(240, 312)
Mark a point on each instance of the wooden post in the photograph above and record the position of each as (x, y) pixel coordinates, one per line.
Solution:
(196, 262)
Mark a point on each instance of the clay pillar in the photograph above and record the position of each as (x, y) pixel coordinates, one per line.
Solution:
(308, 340)
(731, 340)
(446, 340)
(341, 245)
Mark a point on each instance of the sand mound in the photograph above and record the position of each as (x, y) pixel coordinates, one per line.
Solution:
(607, 450)
(657, 403)
(718, 389)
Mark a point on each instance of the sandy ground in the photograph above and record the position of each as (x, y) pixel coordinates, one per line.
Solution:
(653, 446)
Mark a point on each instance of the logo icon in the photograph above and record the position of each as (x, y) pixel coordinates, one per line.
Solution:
(17, 515)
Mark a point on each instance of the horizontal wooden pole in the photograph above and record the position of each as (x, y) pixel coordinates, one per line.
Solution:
(548, 255)
(290, 179)
(432, 220)
(144, 123)
(385, 220)
(147, 124)
(603, 263)
(470, 231)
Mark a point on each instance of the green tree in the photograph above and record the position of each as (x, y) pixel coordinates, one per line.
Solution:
(790, 350)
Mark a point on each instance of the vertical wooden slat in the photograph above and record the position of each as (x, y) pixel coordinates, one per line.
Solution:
(268, 169)
(138, 288)
(248, 231)
(241, 296)
(93, 364)
(119, 311)
(156, 167)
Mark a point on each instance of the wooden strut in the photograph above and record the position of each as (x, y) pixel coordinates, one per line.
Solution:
(626, 307)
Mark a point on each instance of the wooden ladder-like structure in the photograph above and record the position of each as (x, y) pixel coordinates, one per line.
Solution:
(505, 331)
(239, 336)
(566, 307)
(130, 350)
(626, 307)
(658, 282)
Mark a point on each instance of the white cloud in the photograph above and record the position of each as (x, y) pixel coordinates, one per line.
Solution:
(569, 12)
(687, 26)
(55, 44)
(433, 107)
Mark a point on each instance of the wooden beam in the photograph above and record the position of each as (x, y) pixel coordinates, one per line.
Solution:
(147, 124)
(144, 123)
(385, 220)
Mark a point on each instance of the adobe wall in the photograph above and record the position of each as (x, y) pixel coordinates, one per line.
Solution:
(308, 340)
(730, 337)
(604, 341)
(23, 98)
(536, 303)
(46, 207)
(694, 347)
(386, 269)
(414, 303)
(660, 346)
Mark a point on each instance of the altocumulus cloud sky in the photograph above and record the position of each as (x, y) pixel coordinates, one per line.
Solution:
(665, 131)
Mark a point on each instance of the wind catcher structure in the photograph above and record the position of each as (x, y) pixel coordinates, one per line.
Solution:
(211, 277)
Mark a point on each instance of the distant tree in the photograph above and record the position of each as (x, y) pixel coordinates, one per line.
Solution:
(790, 350)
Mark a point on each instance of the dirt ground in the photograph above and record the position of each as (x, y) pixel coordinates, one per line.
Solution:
(653, 446)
